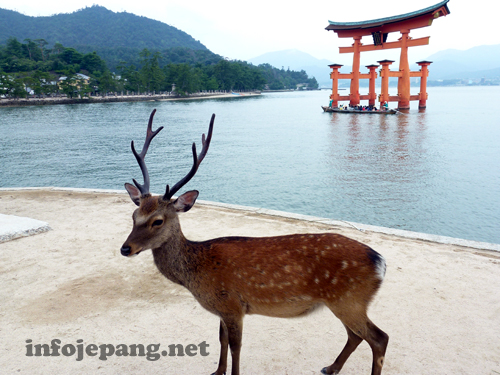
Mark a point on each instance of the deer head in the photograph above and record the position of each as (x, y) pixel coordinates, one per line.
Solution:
(156, 220)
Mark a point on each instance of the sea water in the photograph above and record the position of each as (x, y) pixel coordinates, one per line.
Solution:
(435, 171)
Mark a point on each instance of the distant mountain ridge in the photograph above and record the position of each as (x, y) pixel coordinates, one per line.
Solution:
(474, 63)
(95, 26)
(297, 60)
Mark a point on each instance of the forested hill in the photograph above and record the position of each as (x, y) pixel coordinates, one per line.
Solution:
(95, 26)
(114, 36)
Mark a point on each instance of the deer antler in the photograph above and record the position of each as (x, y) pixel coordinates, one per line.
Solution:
(150, 134)
(197, 159)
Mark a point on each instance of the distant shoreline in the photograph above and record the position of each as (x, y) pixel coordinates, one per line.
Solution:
(121, 98)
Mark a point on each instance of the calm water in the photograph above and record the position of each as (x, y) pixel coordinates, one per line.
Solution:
(435, 172)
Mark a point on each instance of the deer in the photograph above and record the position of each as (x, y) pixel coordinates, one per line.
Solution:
(283, 276)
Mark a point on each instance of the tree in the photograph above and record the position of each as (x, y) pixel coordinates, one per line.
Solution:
(68, 85)
(106, 82)
(151, 74)
(30, 47)
(14, 48)
(71, 56)
(42, 43)
(12, 86)
(41, 83)
(92, 63)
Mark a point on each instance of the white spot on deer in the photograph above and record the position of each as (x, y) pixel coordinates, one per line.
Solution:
(316, 280)
(345, 264)
(327, 274)
(334, 281)
(328, 247)
(296, 281)
(354, 263)
(239, 275)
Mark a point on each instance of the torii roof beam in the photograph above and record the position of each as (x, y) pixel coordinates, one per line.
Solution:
(413, 20)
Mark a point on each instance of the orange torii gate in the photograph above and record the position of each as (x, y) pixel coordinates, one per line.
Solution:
(379, 30)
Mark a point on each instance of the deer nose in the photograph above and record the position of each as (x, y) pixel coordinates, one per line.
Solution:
(126, 250)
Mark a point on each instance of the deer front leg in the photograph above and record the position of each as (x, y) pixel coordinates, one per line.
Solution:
(353, 341)
(224, 341)
(235, 331)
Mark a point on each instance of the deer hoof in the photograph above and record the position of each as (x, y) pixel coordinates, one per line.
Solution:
(325, 371)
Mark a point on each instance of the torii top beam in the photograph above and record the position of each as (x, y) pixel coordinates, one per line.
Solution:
(379, 28)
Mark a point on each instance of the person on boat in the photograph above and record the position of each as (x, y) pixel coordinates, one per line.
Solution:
(330, 104)
(386, 106)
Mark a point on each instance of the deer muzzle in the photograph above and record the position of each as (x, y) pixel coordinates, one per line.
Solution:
(126, 250)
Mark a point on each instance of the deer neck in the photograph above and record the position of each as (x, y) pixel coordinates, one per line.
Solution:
(173, 259)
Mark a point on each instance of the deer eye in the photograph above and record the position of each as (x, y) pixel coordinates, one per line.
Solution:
(157, 223)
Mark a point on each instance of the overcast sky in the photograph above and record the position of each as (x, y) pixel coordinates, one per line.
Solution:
(243, 30)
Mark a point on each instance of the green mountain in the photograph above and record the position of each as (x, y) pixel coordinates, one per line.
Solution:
(114, 36)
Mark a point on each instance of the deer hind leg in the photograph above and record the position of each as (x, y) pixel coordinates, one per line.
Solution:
(224, 343)
(359, 328)
(378, 340)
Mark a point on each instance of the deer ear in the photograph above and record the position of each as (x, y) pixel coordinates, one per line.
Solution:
(186, 201)
(134, 193)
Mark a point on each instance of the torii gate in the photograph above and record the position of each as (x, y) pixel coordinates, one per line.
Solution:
(379, 29)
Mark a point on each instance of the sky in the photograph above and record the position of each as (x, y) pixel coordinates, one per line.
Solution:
(242, 30)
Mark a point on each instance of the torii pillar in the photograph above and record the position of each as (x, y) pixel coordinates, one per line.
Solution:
(372, 95)
(356, 60)
(404, 70)
(384, 74)
(334, 75)
(423, 83)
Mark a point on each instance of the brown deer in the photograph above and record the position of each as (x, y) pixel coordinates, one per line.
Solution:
(283, 276)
